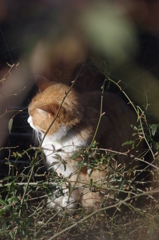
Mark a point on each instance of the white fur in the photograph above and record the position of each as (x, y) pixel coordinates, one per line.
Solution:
(59, 147)
(67, 146)
(62, 201)
(30, 121)
(58, 135)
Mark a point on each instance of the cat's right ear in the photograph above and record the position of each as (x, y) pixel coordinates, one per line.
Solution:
(42, 83)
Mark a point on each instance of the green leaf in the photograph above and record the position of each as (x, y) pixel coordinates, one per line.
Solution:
(91, 182)
(153, 129)
(3, 210)
(52, 164)
(9, 65)
(134, 127)
(19, 155)
(13, 200)
(128, 143)
(80, 164)
(3, 202)
(11, 235)
(10, 125)
(76, 154)
(4, 226)
(92, 145)
(151, 231)
(69, 187)
(12, 186)
(121, 184)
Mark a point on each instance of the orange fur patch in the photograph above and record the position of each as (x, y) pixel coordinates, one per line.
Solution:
(75, 127)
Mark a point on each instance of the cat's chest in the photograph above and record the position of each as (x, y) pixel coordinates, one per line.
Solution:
(58, 154)
(52, 146)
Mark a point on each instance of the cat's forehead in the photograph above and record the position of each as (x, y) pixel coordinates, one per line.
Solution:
(35, 99)
(55, 92)
(54, 95)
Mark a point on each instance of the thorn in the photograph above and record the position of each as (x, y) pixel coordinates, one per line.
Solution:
(118, 81)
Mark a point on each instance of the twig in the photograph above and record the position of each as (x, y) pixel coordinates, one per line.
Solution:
(73, 82)
(132, 104)
(102, 209)
(34, 184)
(31, 172)
(72, 188)
(141, 125)
(101, 114)
(47, 222)
(126, 154)
(17, 112)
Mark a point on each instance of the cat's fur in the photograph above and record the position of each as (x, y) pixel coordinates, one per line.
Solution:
(74, 128)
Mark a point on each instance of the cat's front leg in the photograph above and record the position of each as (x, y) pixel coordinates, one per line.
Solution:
(65, 201)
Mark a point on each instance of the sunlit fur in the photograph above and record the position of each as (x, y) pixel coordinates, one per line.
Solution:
(74, 128)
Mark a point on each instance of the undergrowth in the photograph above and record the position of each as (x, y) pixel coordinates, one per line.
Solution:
(130, 206)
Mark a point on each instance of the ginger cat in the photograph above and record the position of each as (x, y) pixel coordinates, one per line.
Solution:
(74, 128)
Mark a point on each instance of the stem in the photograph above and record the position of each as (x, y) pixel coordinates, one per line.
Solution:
(46, 223)
(8, 73)
(136, 110)
(69, 197)
(146, 139)
(102, 209)
(101, 107)
(31, 172)
(34, 184)
(125, 154)
(60, 107)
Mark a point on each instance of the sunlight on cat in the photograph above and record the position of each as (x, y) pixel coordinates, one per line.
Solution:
(73, 129)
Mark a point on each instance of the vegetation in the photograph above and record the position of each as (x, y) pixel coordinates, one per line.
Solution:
(130, 207)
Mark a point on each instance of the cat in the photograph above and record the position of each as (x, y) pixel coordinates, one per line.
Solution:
(73, 129)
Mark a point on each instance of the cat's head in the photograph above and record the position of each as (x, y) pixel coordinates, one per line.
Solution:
(45, 105)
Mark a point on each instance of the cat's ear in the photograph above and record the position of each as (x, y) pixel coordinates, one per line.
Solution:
(43, 112)
(42, 82)
(48, 110)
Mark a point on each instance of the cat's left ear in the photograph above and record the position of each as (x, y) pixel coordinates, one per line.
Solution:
(42, 83)
(49, 109)
(43, 112)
